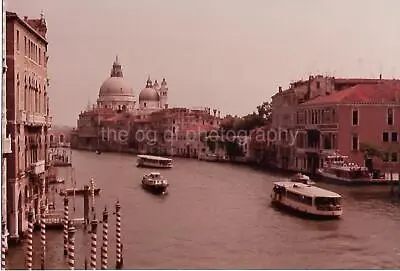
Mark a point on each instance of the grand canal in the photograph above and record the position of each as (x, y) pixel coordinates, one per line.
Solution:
(218, 216)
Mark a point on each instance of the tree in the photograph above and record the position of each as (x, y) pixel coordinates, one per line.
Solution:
(265, 111)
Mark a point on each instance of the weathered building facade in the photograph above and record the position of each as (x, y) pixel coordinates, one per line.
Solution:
(285, 105)
(365, 115)
(28, 118)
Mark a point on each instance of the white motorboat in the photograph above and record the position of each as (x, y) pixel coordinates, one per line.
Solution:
(155, 183)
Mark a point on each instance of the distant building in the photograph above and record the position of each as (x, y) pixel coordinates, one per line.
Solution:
(116, 98)
(365, 114)
(28, 118)
(284, 112)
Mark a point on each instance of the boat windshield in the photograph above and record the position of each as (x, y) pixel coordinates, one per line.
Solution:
(327, 203)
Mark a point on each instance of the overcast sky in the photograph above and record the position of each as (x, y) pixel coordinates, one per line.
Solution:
(227, 54)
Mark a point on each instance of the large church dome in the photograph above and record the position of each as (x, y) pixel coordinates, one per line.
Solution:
(115, 92)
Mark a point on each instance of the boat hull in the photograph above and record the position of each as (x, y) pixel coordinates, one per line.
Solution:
(329, 178)
(305, 214)
(155, 189)
(153, 166)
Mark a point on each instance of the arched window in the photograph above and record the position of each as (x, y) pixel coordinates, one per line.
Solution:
(51, 138)
(144, 104)
(62, 138)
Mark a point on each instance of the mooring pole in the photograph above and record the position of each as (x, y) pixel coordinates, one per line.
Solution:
(29, 241)
(71, 246)
(86, 205)
(104, 248)
(92, 192)
(93, 249)
(3, 247)
(66, 215)
(119, 258)
(43, 237)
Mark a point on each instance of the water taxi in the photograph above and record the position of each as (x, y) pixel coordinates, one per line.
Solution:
(336, 169)
(155, 183)
(307, 199)
(301, 178)
(153, 161)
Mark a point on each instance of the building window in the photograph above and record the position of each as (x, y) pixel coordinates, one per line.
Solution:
(385, 136)
(144, 104)
(318, 85)
(26, 46)
(355, 117)
(40, 57)
(385, 157)
(390, 116)
(394, 136)
(17, 40)
(354, 143)
(394, 157)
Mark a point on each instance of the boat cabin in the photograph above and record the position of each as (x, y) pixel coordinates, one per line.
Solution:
(156, 161)
(323, 200)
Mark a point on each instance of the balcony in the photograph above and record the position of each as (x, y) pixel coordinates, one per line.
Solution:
(49, 120)
(36, 119)
(7, 145)
(21, 117)
(38, 167)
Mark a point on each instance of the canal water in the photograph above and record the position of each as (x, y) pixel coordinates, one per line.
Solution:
(218, 216)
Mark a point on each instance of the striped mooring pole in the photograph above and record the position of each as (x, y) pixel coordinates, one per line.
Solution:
(104, 247)
(29, 241)
(3, 249)
(119, 258)
(43, 237)
(71, 246)
(66, 215)
(92, 192)
(93, 248)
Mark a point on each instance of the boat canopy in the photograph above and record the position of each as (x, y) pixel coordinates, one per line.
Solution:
(307, 190)
(151, 157)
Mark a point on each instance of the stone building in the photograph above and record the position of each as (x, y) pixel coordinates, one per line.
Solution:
(28, 118)
(341, 122)
(6, 141)
(284, 111)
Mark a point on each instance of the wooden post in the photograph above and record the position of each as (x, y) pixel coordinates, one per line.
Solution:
(29, 241)
(120, 259)
(93, 248)
(86, 205)
(43, 237)
(66, 218)
(104, 248)
(71, 246)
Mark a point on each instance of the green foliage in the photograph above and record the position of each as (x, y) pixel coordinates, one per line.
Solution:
(233, 148)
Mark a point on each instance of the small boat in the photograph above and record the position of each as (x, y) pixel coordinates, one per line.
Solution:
(155, 183)
(301, 178)
(58, 180)
(151, 161)
(98, 152)
(79, 191)
(307, 199)
(336, 169)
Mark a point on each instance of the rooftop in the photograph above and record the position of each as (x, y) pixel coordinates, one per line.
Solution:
(307, 190)
(382, 93)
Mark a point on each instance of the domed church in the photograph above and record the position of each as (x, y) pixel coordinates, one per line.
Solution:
(115, 93)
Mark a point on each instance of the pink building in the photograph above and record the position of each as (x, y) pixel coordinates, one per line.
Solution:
(285, 105)
(348, 120)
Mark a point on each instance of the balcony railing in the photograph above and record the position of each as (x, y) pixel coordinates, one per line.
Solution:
(38, 167)
(7, 145)
(35, 119)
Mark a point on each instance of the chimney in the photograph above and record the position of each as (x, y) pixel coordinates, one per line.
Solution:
(280, 89)
(25, 18)
(380, 76)
(215, 112)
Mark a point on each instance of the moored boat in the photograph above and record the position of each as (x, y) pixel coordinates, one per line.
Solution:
(151, 161)
(155, 183)
(336, 169)
(307, 199)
